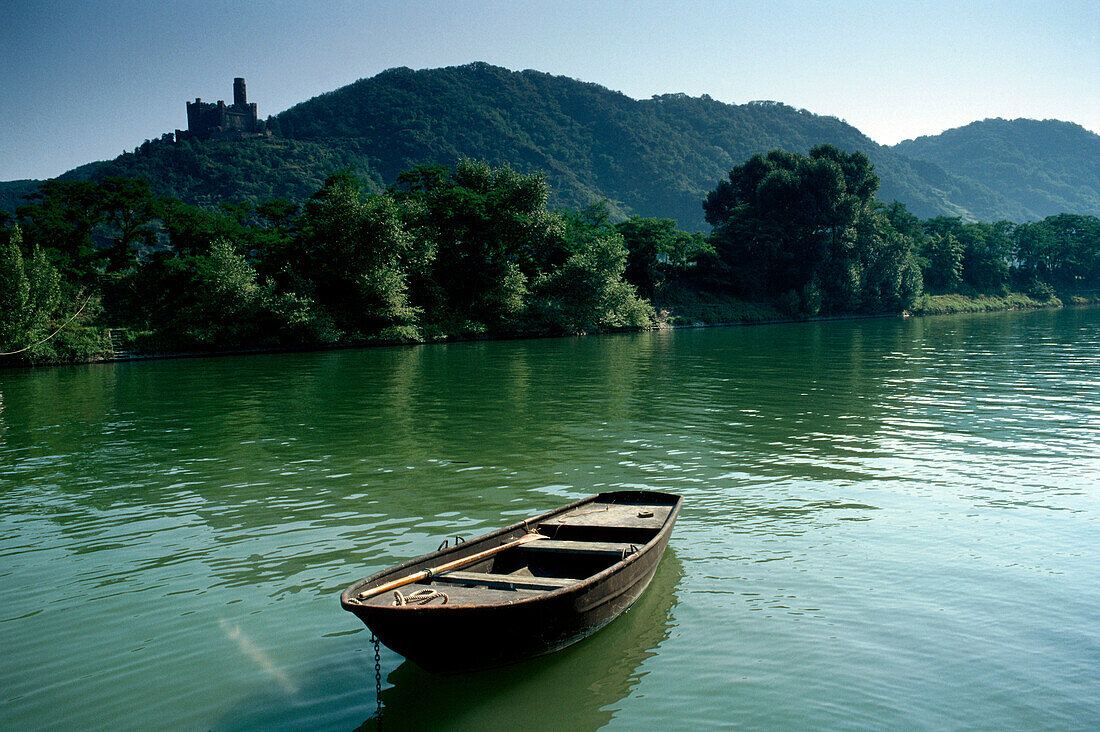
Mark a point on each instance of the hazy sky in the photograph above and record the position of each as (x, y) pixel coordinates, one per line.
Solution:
(84, 80)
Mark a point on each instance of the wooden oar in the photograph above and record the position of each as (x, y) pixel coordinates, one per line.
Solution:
(449, 566)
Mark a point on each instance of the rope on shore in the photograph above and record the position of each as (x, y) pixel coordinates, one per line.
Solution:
(51, 335)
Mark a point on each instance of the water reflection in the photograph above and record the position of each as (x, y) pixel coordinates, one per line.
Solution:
(590, 679)
(579, 687)
(840, 480)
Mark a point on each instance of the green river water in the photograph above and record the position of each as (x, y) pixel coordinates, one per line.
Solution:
(887, 524)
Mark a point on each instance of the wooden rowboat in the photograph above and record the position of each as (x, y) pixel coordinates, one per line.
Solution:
(525, 590)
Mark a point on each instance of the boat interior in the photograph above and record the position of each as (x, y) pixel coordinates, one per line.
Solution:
(578, 543)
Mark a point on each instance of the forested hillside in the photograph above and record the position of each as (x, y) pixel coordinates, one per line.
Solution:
(1048, 167)
(210, 172)
(654, 157)
(12, 193)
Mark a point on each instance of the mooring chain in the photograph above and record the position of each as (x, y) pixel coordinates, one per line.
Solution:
(377, 679)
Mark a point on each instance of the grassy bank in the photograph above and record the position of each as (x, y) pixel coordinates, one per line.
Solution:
(683, 307)
(955, 303)
(686, 308)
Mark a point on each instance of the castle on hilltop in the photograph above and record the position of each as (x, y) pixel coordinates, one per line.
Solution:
(207, 120)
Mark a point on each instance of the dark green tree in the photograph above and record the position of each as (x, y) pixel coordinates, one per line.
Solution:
(987, 249)
(36, 320)
(658, 253)
(891, 279)
(226, 299)
(587, 292)
(353, 249)
(980, 261)
(129, 209)
(191, 230)
(486, 233)
(1060, 251)
(942, 257)
(788, 227)
(61, 218)
(16, 307)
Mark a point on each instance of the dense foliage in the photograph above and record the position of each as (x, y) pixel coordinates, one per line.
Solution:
(807, 229)
(40, 320)
(447, 251)
(653, 158)
(472, 249)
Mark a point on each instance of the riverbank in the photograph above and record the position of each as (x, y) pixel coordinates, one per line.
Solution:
(951, 304)
(697, 310)
(703, 309)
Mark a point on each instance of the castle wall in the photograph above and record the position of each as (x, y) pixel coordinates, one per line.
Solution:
(218, 120)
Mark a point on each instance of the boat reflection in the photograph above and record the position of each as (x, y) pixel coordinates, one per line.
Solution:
(583, 682)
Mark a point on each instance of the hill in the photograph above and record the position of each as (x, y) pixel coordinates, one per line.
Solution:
(208, 172)
(655, 157)
(1048, 167)
(12, 192)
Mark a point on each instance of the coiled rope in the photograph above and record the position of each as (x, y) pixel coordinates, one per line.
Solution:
(420, 597)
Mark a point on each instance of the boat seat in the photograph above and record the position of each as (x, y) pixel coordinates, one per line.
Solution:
(617, 549)
(614, 514)
(505, 580)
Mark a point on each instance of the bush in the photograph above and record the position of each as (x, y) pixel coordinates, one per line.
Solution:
(1040, 290)
(948, 304)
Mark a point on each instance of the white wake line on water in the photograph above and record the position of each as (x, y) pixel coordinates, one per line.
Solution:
(234, 633)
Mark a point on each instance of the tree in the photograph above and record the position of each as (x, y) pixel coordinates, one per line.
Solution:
(29, 293)
(61, 218)
(1075, 240)
(191, 230)
(789, 226)
(353, 249)
(225, 299)
(658, 253)
(587, 292)
(129, 209)
(981, 260)
(907, 224)
(987, 249)
(485, 234)
(891, 280)
(943, 255)
(14, 291)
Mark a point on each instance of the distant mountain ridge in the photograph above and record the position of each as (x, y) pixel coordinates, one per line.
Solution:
(1047, 167)
(655, 157)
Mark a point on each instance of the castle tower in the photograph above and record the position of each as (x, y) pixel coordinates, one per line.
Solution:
(223, 121)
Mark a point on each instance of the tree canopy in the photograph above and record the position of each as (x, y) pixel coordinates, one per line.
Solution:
(808, 228)
(475, 249)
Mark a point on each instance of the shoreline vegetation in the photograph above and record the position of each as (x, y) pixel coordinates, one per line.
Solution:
(932, 305)
(472, 252)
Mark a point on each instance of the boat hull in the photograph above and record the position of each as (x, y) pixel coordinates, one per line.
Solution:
(455, 638)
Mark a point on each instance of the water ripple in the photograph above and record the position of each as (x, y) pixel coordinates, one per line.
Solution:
(878, 513)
